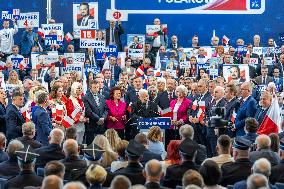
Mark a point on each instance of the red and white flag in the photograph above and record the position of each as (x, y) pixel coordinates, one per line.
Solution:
(201, 105)
(225, 40)
(76, 115)
(2, 65)
(167, 112)
(233, 118)
(26, 114)
(23, 64)
(272, 120)
(67, 122)
(69, 37)
(139, 72)
(129, 108)
(40, 32)
(194, 105)
(200, 115)
(59, 109)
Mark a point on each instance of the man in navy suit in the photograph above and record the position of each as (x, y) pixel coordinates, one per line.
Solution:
(277, 80)
(247, 109)
(96, 110)
(108, 82)
(14, 118)
(132, 94)
(264, 103)
(114, 68)
(174, 43)
(41, 118)
(113, 34)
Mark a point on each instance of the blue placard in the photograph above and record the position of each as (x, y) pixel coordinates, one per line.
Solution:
(162, 122)
(16, 62)
(102, 53)
(52, 40)
(7, 15)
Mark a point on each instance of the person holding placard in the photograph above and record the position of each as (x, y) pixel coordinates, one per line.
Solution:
(113, 34)
(7, 37)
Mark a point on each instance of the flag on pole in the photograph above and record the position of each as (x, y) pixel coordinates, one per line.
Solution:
(139, 72)
(158, 62)
(67, 122)
(272, 120)
(23, 64)
(167, 112)
(69, 37)
(201, 105)
(76, 115)
(106, 64)
(2, 65)
(200, 114)
(194, 105)
(234, 115)
(225, 40)
(40, 32)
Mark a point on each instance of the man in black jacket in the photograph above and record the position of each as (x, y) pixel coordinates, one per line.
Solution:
(113, 34)
(277, 173)
(28, 130)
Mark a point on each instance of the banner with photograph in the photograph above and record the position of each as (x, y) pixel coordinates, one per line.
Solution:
(164, 59)
(153, 30)
(135, 45)
(92, 39)
(85, 16)
(236, 72)
(75, 58)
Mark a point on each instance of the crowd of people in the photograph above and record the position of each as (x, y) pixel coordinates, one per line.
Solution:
(75, 133)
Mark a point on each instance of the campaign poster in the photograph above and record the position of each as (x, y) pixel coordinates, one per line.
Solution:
(153, 30)
(29, 19)
(78, 67)
(75, 58)
(241, 50)
(236, 72)
(92, 39)
(85, 16)
(121, 59)
(54, 29)
(257, 50)
(10, 14)
(102, 53)
(52, 40)
(165, 57)
(116, 15)
(136, 43)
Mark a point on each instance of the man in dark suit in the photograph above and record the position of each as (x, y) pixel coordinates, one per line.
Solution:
(132, 94)
(28, 130)
(11, 165)
(3, 97)
(96, 110)
(53, 151)
(72, 159)
(114, 68)
(113, 34)
(14, 118)
(174, 173)
(41, 118)
(27, 175)
(134, 169)
(264, 104)
(247, 109)
(153, 174)
(174, 43)
(164, 98)
(108, 82)
(277, 79)
(263, 79)
(203, 100)
(85, 15)
(187, 132)
(233, 172)
(277, 173)
(147, 154)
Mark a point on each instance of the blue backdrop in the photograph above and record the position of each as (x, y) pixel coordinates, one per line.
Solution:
(268, 24)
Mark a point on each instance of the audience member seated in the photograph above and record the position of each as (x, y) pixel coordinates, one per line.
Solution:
(263, 150)
(251, 126)
(147, 154)
(133, 171)
(173, 156)
(155, 144)
(3, 155)
(54, 168)
(277, 173)
(113, 138)
(211, 174)
(96, 176)
(274, 142)
(121, 162)
(53, 151)
(174, 173)
(11, 165)
(71, 133)
(72, 159)
(255, 181)
(187, 131)
(121, 182)
(28, 130)
(240, 169)
(27, 176)
(260, 166)
(192, 177)
(74, 185)
(52, 181)
(223, 149)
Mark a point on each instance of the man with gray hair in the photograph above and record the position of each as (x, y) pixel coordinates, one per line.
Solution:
(41, 118)
(256, 181)
(263, 150)
(53, 151)
(11, 165)
(52, 181)
(153, 174)
(74, 185)
(261, 166)
(121, 182)
(187, 132)
(28, 130)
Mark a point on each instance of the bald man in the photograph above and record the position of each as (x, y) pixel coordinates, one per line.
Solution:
(52, 181)
(264, 104)
(153, 174)
(247, 109)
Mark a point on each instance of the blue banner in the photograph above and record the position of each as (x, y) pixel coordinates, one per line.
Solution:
(16, 62)
(162, 122)
(102, 53)
(52, 40)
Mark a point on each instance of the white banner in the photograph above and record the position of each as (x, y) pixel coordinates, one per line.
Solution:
(30, 19)
(54, 28)
(116, 15)
(74, 67)
(75, 58)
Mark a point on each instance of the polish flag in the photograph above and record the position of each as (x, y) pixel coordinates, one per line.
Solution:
(23, 64)
(40, 32)
(233, 118)
(225, 40)
(67, 122)
(200, 115)
(201, 105)
(69, 37)
(194, 105)
(76, 115)
(139, 72)
(167, 112)
(59, 109)
(129, 108)
(53, 111)
(25, 113)
(2, 65)
(157, 72)
(272, 120)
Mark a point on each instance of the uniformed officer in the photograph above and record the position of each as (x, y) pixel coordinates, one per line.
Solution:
(27, 176)
(240, 169)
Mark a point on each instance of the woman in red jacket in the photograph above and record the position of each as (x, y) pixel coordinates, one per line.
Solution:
(117, 112)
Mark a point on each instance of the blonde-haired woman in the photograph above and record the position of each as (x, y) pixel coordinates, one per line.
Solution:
(113, 138)
(75, 104)
(155, 144)
(14, 78)
(109, 156)
(96, 176)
